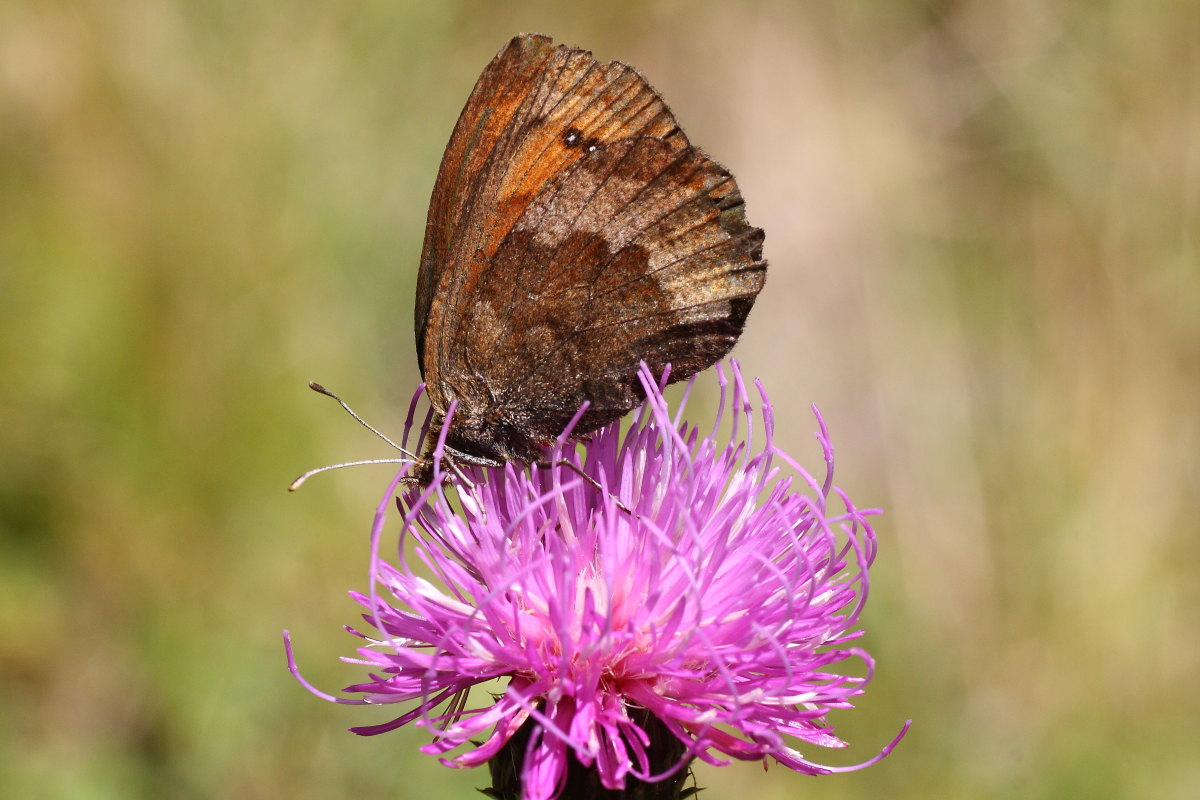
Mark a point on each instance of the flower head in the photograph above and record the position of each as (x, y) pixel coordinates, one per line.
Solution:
(692, 596)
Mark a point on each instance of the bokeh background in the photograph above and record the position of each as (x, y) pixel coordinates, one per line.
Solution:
(982, 222)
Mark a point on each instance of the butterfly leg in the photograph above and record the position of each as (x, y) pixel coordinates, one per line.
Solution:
(562, 462)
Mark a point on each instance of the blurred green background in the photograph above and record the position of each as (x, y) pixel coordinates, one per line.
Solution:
(982, 225)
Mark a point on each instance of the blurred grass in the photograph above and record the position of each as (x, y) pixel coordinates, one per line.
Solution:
(982, 224)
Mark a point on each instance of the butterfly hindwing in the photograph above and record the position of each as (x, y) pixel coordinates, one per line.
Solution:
(636, 253)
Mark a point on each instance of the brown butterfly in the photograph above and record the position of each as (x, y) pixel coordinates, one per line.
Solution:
(573, 233)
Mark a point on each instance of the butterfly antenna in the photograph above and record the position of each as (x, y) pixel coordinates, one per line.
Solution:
(407, 456)
(294, 485)
(316, 387)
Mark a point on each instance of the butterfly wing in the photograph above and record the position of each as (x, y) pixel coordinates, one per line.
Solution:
(504, 149)
(588, 237)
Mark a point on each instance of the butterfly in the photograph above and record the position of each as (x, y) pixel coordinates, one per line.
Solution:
(574, 232)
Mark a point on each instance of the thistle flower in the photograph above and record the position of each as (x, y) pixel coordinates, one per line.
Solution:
(692, 598)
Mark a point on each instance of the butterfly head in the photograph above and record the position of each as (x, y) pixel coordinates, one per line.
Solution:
(471, 440)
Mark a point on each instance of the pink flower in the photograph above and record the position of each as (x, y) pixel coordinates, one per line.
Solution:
(698, 600)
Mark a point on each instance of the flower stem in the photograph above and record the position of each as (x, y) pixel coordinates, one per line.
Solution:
(583, 783)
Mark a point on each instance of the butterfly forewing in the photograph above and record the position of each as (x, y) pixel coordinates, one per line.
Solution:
(504, 148)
